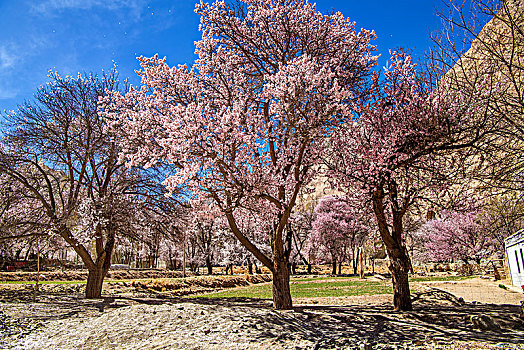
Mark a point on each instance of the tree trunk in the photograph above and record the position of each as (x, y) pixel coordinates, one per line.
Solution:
(399, 268)
(334, 267)
(340, 268)
(361, 263)
(294, 268)
(354, 260)
(250, 268)
(209, 266)
(95, 279)
(399, 262)
(281, 291)
(309, 269)
(98, 270)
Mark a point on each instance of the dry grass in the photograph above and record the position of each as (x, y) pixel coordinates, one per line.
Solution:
(201, 284)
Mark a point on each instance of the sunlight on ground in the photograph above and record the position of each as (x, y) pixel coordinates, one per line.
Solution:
(309, 288)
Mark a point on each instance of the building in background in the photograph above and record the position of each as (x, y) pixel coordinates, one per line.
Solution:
(514, 245)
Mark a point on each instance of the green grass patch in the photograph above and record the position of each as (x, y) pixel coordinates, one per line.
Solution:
(313, 288)
(322, 278)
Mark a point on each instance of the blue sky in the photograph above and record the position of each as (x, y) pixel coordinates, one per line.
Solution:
(73, 36)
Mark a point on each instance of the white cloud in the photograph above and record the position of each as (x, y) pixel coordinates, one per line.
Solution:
(7, 62)
(7, 59)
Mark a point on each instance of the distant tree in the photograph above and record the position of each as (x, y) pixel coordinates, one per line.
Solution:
(337, 231)
(241, 126)
(502, 216)
(171, 251)
(20, 217)
(301, 226)
(207, 229)
(157, 227)
(456, 236)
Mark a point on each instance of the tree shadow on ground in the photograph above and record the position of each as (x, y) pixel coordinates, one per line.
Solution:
(56, 305)
(437, 316)
(431, 319)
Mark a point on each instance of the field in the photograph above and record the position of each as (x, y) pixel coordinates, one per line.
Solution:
(310, 288)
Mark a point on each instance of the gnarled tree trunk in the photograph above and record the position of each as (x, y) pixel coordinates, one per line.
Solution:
(99, 268)
(279, 263)
(399, 262)
(95, 279)
(399, 265)
(281, 291)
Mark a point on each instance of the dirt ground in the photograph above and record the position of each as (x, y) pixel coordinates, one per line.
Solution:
(139, 318)
(479, 290)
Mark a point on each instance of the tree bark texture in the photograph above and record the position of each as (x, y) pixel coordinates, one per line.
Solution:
(399, 262)
(98, 269)
(399, 268)
(281, 291)
(95, 279)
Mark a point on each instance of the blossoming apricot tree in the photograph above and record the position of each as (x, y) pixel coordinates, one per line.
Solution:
(243, 125)
(337, 231)
(402, 144)
(457, 236)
